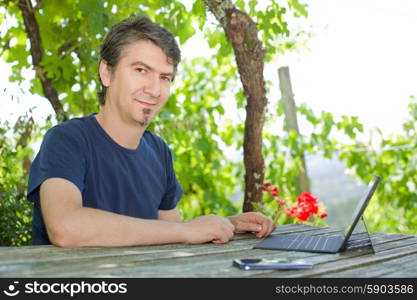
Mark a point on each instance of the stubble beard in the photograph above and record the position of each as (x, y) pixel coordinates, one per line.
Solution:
(146, 120)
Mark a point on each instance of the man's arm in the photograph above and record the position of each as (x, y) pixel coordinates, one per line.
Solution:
(249, 221)
(69, 224)
(172, 215)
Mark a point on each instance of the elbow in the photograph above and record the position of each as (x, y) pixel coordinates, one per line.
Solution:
(62, 241)
(63, 236)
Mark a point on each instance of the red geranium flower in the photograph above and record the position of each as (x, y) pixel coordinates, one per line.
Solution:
(308, 202)
(300, 213)
(306, 205)
(271, 189)
(274, 191)
(266, 186)
(323, 215)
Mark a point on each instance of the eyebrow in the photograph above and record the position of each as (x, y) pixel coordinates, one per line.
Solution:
(140, 63)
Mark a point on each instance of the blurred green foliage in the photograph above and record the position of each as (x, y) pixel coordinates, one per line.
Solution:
(394, 158)
(203, 121)
(193, 122)
(394, 205)
(15, 211)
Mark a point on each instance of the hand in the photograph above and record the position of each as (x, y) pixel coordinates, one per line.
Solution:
(208, 228)
(253, 221)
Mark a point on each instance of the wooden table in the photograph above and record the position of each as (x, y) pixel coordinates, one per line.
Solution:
(396, 256)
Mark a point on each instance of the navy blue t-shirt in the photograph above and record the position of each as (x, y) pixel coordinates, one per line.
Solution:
(134, 183)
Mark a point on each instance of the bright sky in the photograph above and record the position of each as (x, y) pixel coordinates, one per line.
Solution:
(362, 61)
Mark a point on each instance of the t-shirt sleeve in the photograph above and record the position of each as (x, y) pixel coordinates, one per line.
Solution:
(61, 155)
(174, 190)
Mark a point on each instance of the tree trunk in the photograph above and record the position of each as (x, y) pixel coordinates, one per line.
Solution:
(242, 33)
(36, 51)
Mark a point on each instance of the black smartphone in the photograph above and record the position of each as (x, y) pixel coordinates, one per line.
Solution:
(271, 264)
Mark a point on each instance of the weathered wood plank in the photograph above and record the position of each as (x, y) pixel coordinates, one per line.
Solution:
(391, 268)
(81, 258)
(30, 254)
(49, 253)
(34, 264)
(218, 265)
(139, 266)
(208, 260)
(398, 250)
(408, 269)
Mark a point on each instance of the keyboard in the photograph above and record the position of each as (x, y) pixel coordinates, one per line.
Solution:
(302, 242)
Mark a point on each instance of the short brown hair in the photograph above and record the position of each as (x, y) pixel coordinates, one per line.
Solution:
(131, 30)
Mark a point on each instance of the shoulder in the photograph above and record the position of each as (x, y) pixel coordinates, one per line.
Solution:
(155, 141)
(73, 133)
(72, 128)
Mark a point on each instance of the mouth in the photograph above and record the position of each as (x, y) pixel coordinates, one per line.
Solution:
(147, 104)
(146, 100)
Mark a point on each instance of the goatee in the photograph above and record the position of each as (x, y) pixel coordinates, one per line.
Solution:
(146, 120)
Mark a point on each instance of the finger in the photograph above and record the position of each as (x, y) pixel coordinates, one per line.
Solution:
(267, 227)
(230, 232)
(252, 227)
(217, 241)
(221, 239)
(230, 225)
(270, 229)
(271, 226)
(259, 234)
(264, 230)
(224, 235)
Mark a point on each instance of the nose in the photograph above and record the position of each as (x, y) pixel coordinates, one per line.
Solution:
(153, 86)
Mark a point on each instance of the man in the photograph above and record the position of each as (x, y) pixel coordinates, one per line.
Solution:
(103, 180)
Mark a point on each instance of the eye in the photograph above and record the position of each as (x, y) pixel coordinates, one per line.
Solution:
(166, 78)
(141, 70)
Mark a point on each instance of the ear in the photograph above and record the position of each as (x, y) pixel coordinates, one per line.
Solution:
(105, 73)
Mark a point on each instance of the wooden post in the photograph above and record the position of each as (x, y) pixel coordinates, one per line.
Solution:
(290, 112)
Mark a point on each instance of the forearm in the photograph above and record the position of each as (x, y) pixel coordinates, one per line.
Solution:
(89, 227)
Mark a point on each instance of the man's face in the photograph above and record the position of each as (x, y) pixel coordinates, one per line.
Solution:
(138, 87)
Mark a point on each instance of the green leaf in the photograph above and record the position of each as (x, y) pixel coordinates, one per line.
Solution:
(93, 10)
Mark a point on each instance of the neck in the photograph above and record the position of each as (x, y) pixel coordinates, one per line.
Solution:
(125, 134)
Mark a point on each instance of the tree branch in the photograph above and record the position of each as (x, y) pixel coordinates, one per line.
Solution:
(32, 30)
(38, 5)
(218, 9)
